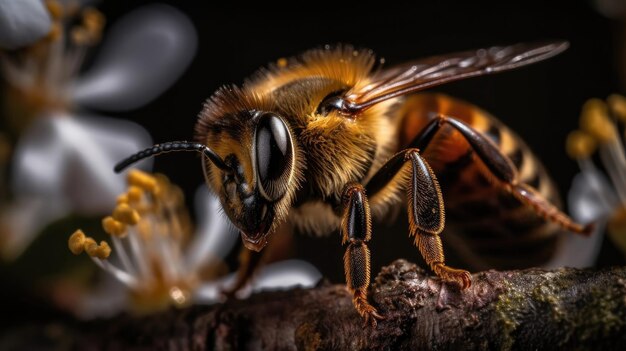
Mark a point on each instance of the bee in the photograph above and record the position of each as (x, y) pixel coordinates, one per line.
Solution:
(328, 140)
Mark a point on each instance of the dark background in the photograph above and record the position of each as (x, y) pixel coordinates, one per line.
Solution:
(540, 102)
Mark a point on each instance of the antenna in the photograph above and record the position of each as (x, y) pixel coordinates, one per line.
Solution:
(173, 146)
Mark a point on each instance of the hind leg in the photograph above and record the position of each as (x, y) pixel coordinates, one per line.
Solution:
(499, 168)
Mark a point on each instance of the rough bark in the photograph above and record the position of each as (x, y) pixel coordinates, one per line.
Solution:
(530, 309)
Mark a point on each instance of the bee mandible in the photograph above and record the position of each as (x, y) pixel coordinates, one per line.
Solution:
(327, 140)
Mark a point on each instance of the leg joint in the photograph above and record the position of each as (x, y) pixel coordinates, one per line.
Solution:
(356, 242)
(411, 154)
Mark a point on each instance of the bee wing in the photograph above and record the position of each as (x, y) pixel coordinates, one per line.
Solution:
(425, 73)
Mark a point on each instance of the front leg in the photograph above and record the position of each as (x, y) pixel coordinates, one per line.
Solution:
(425, 210)
(249, 262)
(356, 231)
(280, 248)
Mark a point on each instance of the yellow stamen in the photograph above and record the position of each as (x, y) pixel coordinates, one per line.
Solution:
(167, 191)
(126, 214)
(113, 227)
(76, 242)
(80, 36)
(122, 199)
(160, 215)
(55, 9)
(580, 145)
(595, 121)
(90, 246)
(617, 104)
(142, 180)
(56, 31)
(163, 193)
(145, 229)
(103, 251)
(72, 7)
(134, 194)
(282, 62)
(93, 20)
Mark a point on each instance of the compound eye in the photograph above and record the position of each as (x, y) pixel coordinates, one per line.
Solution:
(274, 156)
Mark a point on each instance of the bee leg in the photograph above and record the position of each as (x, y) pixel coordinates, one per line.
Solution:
(249, 261)
(280, 248)
(500, 169)
(356, 230)
(425, 210)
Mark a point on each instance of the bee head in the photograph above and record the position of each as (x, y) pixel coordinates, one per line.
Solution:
(249, 161)
(252, 201)
(258, 149)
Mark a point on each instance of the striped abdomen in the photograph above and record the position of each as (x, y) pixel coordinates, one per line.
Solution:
(485, 224)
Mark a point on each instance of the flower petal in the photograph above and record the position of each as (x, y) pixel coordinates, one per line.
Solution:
(107, 299)
(72, 158)
(22, 220)
(215, 237)
(577, 251)
(22, 23)
(275, 276)
(286, 274)
(143, 55)
(591, 197)
(212, 291)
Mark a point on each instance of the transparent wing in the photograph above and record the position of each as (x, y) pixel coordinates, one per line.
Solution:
(424, 73)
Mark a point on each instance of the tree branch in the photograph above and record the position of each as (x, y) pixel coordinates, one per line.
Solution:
(530, 309)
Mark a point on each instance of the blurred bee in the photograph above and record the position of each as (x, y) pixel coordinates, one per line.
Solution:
(328, 141)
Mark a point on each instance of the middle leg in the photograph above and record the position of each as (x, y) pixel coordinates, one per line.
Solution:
(356, 228)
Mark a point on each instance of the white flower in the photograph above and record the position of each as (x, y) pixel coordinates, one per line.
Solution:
(22, 23)
(593, 197)
(64, 156)
(160, 262)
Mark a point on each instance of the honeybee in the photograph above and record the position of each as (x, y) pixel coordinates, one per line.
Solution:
(327, 140)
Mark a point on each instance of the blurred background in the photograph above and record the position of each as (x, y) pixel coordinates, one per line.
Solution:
(541, 102)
